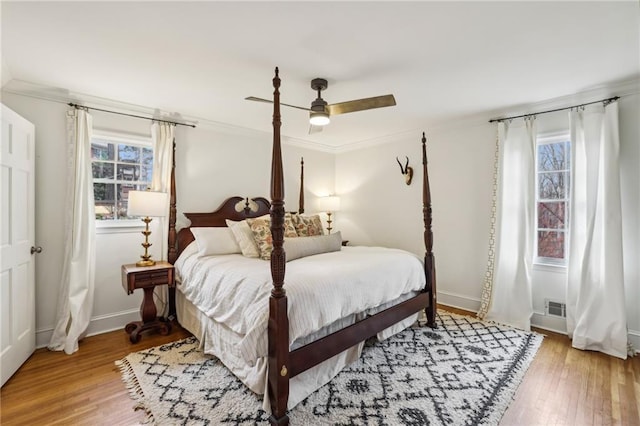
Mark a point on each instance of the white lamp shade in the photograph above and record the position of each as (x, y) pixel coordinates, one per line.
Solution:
(329, 204)
(147, 203)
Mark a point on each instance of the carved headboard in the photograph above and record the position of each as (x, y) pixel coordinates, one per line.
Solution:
(233, 208)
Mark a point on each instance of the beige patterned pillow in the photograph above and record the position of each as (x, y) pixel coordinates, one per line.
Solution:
(307, 226)
(316, 225)
(244, 237)
(261, 228)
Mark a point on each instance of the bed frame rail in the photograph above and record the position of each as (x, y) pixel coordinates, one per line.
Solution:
(314, 353)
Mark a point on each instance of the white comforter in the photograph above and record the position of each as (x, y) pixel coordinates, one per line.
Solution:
(321, 289)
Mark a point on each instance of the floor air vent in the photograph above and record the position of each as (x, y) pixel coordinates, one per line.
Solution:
(557, 309)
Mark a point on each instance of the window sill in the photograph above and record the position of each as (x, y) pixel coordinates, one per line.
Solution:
(116, 227)
(549, 267)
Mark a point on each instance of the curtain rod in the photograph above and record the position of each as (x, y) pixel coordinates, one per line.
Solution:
(131, 115)
(608, 100)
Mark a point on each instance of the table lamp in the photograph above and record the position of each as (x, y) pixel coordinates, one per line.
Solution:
(329, 205)
(146, 204)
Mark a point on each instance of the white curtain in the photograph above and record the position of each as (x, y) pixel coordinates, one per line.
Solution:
(511, 301)
(75, 300)
(596, 318)
(162, 135)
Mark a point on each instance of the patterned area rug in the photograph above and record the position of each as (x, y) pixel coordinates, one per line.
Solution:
(463, 373)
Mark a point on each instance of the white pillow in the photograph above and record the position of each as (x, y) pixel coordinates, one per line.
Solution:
(296, 248)
(215, 240)
(244, 237)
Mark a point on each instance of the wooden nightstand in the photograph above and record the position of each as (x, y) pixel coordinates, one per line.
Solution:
(147, 278)
(345, 243)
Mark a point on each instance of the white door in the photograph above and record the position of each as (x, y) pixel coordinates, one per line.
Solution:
(17, 277)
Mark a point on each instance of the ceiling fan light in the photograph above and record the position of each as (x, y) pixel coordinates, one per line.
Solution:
(319, 118)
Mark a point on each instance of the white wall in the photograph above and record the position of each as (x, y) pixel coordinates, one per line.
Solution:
(5, 72)
(379, 209)
(212, 164)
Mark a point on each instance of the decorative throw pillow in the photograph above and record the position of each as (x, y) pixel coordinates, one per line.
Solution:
(296, 248)
(244, 237)
(261, 228)
(300, 225)
(289, 230)
(316, 225)
(215, 240)
(307, 226)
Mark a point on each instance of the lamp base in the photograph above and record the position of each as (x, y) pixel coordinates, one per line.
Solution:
(146, 257)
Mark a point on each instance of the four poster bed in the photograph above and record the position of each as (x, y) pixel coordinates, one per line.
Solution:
(338, 298)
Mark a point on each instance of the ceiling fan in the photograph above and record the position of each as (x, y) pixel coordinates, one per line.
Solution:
(320, 111)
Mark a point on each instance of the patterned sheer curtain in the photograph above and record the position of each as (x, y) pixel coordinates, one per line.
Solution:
(75, 302)
(596, 317)
(506, 296)
(162, 136)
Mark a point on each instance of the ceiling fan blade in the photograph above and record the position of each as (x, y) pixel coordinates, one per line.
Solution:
(361, 104)
(315, 129)
(253, 98)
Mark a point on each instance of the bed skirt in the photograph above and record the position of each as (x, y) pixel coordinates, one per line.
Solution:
(217, 340)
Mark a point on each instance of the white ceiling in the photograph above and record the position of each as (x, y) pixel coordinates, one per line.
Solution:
(442, 60)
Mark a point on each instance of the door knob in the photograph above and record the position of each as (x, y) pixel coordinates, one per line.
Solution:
(36, 249)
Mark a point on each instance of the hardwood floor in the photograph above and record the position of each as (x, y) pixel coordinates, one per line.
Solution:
(563, 386)
(85, 388)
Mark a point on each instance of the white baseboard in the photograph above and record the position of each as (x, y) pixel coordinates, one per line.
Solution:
(559, 325)
(549, 322)
(98, 325)
(634, 338)
(458, 301)
(43, 337)
(538, 320)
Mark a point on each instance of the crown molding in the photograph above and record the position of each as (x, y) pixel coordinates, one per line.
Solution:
(382, 140)
(65, 96)
(59, 95)
(620, 88)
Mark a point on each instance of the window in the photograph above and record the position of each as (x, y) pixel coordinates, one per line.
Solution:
(552, 198)
(120, 164)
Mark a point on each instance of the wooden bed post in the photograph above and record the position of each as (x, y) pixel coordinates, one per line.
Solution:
(172, 254)
(278, 327)
(429, 260)
(301, 199)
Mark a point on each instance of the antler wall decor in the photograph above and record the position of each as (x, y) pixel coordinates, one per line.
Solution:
(406, 170)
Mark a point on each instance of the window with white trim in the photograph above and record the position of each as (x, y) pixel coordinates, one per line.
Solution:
(553, 170)
(119, 164)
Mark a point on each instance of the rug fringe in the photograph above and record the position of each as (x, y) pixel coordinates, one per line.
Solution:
(521, 366)
(135, 390)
